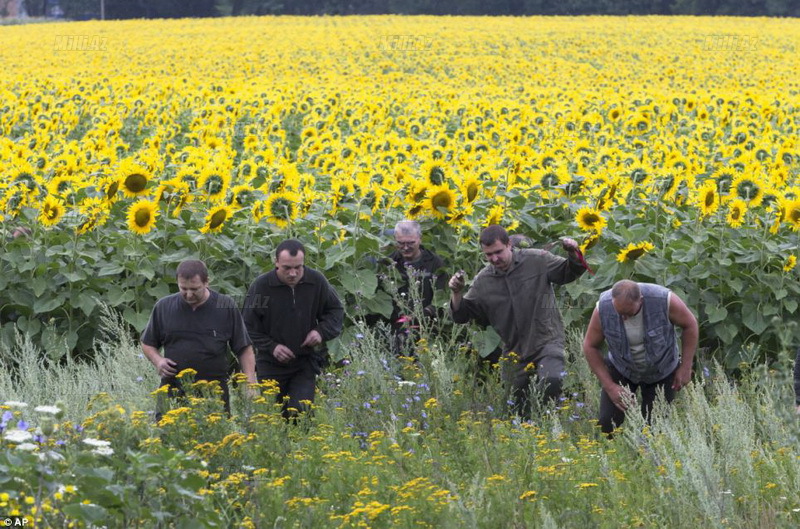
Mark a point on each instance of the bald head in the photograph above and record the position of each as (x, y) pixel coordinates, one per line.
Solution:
(626, 290)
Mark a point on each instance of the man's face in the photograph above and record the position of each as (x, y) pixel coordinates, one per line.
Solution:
(194, 291)
(408, 245)
(498, 254)
(290, 267)
(627, 308)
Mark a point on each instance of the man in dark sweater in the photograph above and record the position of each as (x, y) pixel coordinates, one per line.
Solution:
(418, 268)
(290, 313)
(196, 327)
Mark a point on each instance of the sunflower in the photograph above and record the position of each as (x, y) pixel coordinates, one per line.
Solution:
(433, 171)
(60, 186)
(133, 178)
(281, 208)
(440, 201)
(790, 263)
(214, 183)
(142, 216)
(634, 251)
(216, 218)
(174, 192)
(95, 212)
(748, 188)
(707, 198)
(551, 182)
(590, 241)
(242, 195)
(590, 219)
(51, 211)
(792, 214)
(736, 210)
(495, 215)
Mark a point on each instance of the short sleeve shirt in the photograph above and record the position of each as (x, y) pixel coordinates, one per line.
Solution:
(199, 339)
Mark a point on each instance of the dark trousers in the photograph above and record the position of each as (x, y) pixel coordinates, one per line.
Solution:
(298, 382)
(612, 417)
(176, 391)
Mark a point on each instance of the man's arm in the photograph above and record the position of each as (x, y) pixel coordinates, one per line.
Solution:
(562, 271)
(331, 318)
(465, 308)
(164, 366)
(247, 361)
(255, 314)
(620, 395)
(680, 315)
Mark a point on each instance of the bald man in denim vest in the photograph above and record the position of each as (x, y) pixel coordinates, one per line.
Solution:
(637, 321)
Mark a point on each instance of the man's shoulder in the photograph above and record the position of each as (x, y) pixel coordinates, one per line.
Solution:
(431, 259)
(220, 300)
(312, 275)
(168, 302)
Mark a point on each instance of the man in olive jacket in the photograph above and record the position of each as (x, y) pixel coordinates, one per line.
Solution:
(514, 294)
(290, 313)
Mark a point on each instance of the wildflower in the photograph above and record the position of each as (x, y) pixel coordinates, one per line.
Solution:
(97, 443)
(51, 410)
(15, 404)
(18, 436)
(790, 263)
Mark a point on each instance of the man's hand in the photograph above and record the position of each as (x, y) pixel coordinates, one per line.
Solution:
(282, 354)
(570, 245)
(166, 368)
(312, 338)
(682, 376)
(457, 282)
(621, 396)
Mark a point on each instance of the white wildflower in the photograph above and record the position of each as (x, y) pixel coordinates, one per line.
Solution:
(52, 410)
(18, 436)
(98, 443)
(103, 451)
(28, 447)
(15, 404)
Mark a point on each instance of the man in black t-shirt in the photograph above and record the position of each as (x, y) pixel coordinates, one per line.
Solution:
(196, 327)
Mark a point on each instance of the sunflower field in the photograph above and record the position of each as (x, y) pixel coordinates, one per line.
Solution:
(667, 146)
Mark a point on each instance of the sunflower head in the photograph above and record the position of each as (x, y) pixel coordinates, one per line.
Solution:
(51, 211)
(440, 201)
(590, 219)
(142, 216)
(132, 178)
(634, 251)
(216, 218)
(736, 211)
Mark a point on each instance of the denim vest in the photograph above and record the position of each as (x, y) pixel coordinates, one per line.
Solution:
(661, 346)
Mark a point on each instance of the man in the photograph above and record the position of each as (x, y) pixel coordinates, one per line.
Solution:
(514, 294)
(290, 313)
(637, 321)
(196, 327)
(414, 263)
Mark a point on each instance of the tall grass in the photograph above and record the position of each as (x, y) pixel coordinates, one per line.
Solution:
(396, 442)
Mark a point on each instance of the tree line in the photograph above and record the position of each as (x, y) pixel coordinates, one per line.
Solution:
(121, 9)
